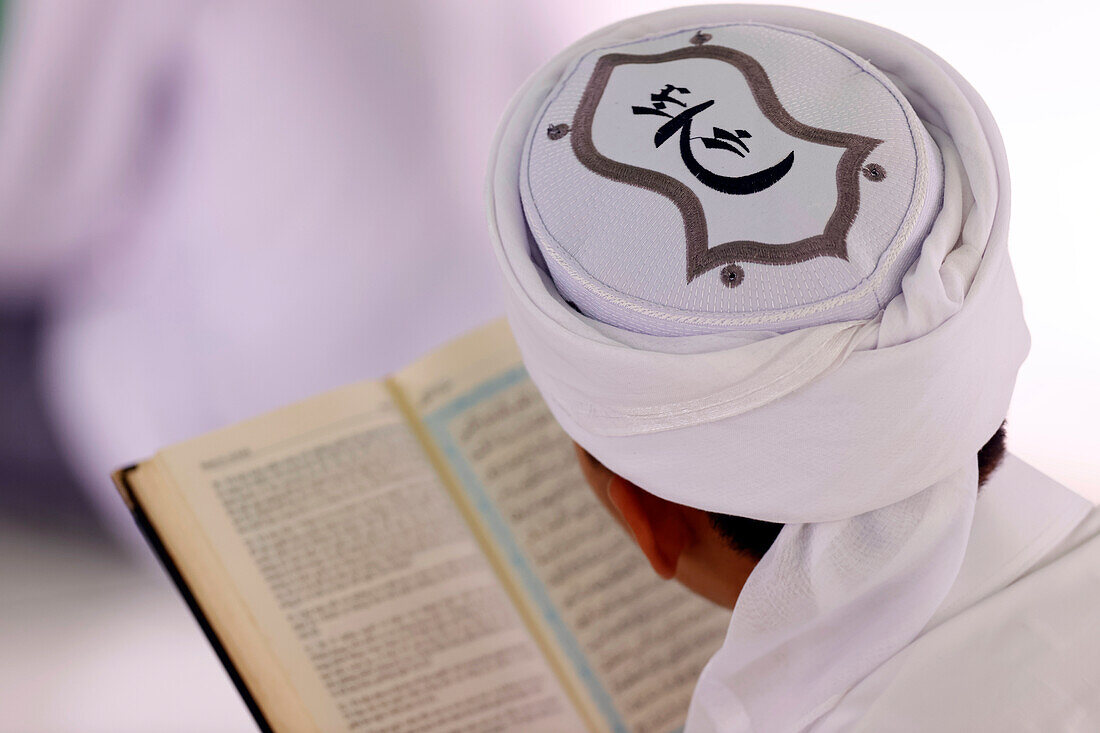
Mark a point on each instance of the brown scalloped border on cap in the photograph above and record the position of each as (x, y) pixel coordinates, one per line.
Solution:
(701, 257)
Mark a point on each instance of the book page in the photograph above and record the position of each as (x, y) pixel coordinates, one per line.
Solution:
(635, 643)
(366, 599)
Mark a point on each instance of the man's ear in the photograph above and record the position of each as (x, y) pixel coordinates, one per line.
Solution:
(659, 527)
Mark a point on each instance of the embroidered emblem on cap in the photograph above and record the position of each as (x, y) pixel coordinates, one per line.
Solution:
(707, 89)
(735, 177)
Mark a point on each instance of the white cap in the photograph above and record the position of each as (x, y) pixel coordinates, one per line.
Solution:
(733, 177)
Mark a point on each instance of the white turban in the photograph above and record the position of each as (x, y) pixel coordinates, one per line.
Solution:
(859, 435)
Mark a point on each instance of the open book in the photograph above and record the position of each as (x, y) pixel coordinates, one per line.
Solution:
(421, 554)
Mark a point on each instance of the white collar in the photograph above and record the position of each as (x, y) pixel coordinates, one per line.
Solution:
(1021, 515)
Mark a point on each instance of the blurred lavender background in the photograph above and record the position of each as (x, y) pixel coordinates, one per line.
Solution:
(209, 209)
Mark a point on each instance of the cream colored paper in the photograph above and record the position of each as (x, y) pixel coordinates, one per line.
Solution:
(377, 607)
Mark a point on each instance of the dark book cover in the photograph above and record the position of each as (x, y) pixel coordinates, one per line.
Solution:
(121, 479)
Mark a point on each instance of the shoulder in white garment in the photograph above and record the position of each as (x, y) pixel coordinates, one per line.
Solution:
(1015, 647)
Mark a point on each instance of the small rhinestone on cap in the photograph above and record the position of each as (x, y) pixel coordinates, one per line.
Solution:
(874, 172)
(733, 275)
(557, 132)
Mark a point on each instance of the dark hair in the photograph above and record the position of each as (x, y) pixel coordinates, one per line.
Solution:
(754, 536)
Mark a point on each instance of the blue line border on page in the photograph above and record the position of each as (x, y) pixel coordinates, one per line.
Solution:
(437, 423)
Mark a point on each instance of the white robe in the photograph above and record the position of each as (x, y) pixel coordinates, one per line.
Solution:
(1015, 646)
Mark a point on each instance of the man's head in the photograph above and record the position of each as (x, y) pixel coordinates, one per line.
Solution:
(737, 183)
(708, 552)
(784, 238)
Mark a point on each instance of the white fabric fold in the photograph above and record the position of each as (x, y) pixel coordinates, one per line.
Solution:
(860, 436)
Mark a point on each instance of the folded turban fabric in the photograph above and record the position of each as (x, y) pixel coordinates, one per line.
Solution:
(756, 262)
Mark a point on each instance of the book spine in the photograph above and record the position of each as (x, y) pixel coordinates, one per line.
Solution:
(121, 479)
